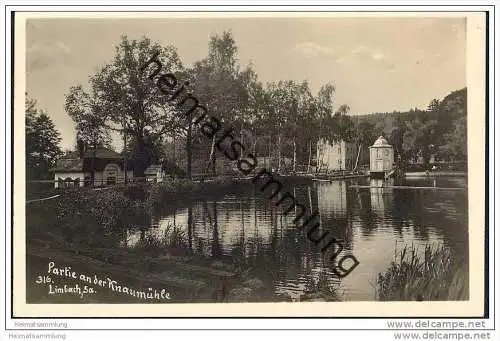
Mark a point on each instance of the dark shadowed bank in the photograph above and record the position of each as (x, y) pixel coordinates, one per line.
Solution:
(85, 229)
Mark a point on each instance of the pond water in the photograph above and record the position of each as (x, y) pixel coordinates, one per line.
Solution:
(245, 226)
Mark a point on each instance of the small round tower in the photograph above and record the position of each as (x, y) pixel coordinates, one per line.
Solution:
(381, 158)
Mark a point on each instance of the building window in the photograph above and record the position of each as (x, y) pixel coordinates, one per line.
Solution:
(111, 180)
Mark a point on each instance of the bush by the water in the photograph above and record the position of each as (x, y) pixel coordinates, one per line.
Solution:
(102, 218)
(88, 216)
(180, 189)
(438, 275)
(172, 237)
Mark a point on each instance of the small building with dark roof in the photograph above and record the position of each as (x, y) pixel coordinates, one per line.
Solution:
(103, 165)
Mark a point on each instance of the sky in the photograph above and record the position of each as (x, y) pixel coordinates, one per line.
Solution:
(376, 64)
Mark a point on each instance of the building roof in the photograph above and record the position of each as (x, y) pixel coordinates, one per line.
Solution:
(381, 142)
(72, 163)
(152, 170)
(68, 165)
(102, 153)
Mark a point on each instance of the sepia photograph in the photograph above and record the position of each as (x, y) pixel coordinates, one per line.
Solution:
(189, 159)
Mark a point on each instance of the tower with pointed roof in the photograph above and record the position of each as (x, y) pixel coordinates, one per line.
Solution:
(381, 158)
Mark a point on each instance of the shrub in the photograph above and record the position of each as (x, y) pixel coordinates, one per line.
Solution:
(90, 216)
(439, 275)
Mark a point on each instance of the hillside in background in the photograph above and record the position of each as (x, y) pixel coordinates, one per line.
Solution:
(439, 131)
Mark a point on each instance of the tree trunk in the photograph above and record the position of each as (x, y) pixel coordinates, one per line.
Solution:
(241, 140)
(426, 156)
(279, 152)
(141, 158)
(214, 160)
(317, 161)
(125, 180)
(357, 158)
(92, 168)
(211, 157)
(294, 206)
(310, 199)
(310, 155)
(189, 151)
(269, 152)
(294, 155)
(173, 156)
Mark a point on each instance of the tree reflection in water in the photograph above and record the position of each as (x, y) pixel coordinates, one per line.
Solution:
(254, 232)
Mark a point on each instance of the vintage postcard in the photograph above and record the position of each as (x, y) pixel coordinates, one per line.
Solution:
(216, 164)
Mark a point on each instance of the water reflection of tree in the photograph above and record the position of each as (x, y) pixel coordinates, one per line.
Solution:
(238, 250)
(449, 217)
(401, 209)
(419, 215)
(443, 211)
(367, 217)
(216, 243)
(281, 255)
(333, 202)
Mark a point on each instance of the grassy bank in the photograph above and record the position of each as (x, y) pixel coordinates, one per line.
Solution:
(185, 190)
(86, 229)
(436, 275)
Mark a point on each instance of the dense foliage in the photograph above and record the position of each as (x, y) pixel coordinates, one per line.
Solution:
(280, 121)
(441, 130)
(120, 99)
(42, 142)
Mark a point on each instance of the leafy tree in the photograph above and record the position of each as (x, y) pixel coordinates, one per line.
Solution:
(282, 114)
(310, 125)
(325, 125)
(122, 98)
(219, 84)
(154, 151)
(261, 120)
(433, 106)
(42, 142)
(365, 134)
(455, 142)
(250, 119)
(440, 130)
(397, 137)
(343, 125)
(418, 139)
(452, 125)
(298, 121)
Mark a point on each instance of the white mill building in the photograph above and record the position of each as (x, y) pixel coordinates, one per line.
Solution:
(381, 158)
